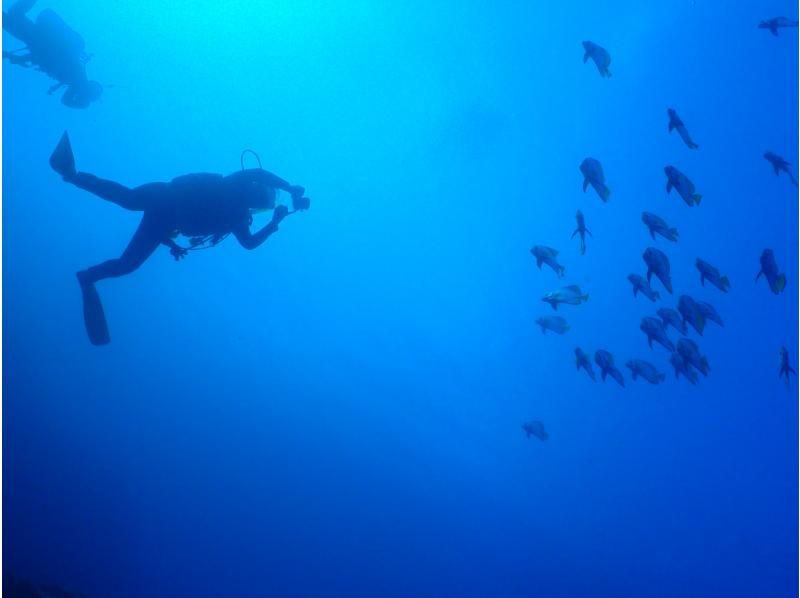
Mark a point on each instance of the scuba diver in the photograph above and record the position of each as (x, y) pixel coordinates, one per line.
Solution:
(204, 207)
(53, 48)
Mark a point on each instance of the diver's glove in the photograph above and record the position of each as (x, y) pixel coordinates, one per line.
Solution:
(178, 252)
(279, 214)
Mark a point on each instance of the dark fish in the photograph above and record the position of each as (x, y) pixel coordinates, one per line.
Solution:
(691, 313)
(769, 268)
(776, 23)
(658, 264)
(569, 295)
(582, 362)
(547, 255)
(535, 428)
(646, 370)
(593, 175)
(676, 123)
(670, 317)
(581, 230)
(681, 367)
(605, 361)
(654, 330)
(711, 274)
(786, 369)
(656, 224)
(556, 324)
(780, 165)
(690, 352)
(681, 183)
(600, 56)
(708, 312)
(640, 285)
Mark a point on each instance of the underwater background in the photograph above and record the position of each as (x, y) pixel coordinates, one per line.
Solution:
(339, 412)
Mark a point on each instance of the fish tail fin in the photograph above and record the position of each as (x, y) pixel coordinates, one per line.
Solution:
(693, 145)
(773, 29)
(635, 291)
(603, 374)
(656, 295)
(760, 272)
(697, 197)
(585, 297)
(780, 283)
(791, 178)
(662, 377)
(634, 375)
(607, 73)
(725, 283)
(585, 184)
(615, 373)
(699, 324)
(561, 271)
(605, 192)
(583, 246)
(702, 279)
(674, 233)
(539, 263)
(585, 57)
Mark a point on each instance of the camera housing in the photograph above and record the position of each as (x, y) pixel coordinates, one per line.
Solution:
(301, 203)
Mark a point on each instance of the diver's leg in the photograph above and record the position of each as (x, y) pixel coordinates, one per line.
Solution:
(16, 22)
(141, 246)
(139, 199)
(21, 7)
(144, 242)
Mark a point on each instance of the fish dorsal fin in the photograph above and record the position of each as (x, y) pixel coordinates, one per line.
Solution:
(573, 287)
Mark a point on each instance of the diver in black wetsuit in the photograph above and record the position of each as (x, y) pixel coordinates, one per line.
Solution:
(199, 205)
(55, 49)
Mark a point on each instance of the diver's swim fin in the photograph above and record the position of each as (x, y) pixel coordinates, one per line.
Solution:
(62, 159)
(93, 316)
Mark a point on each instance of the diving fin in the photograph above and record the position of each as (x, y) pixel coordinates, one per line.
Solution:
(93, 316)
(62, 160)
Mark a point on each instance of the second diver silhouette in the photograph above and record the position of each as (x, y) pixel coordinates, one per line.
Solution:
(201, 205)
(52, 47)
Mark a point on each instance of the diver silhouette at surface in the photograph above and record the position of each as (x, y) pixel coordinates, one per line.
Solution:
(203, 206)
(53, 48)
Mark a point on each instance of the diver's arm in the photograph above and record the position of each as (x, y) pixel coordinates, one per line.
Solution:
(266, 178)
(249, 240)
(175, 250)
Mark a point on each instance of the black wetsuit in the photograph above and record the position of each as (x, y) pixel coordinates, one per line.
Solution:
(200, 204)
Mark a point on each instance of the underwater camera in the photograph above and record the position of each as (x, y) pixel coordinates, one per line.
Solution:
(301, 203)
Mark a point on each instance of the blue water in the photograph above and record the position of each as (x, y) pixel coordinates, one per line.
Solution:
(339, 412)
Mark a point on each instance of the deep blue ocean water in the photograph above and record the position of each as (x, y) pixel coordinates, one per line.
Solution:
(339, 412)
